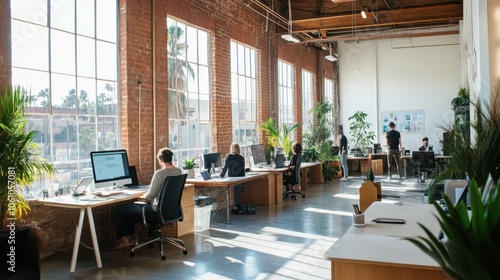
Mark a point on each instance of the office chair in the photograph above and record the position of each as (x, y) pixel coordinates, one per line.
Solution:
(293, 181)
(169, 211)
(425, 162)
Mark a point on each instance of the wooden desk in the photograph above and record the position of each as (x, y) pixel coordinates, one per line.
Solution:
(377, 251)
(313, 168)
(226, 182)
(79, 202)
(364, 163)
(86, 203)
(265, 193)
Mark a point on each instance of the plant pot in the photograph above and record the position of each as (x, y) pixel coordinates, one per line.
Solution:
(190, 173)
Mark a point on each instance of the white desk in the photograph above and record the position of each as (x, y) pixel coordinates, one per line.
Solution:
(377, 251)
(226, 183)
(80, 202)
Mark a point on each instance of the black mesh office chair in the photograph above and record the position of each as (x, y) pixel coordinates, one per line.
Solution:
(169, 211)
(293, 182)
(425, 162)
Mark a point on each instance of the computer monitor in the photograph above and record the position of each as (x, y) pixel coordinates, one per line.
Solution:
(210, 158)
(110, 168)
(259, 155)
(424, 159)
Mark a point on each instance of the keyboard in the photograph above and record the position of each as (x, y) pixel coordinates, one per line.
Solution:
(107, 193)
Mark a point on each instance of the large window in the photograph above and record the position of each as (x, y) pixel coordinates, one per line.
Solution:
(285, 93)
(67, 60)
(307, 99)
(188, 91)
(244, 96)
(329, 98)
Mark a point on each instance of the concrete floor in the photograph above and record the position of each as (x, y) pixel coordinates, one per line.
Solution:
(285, 241)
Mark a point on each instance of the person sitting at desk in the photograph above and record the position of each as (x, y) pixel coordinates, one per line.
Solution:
(290, 174)
(127, 215)
(425, 145)
(234, 165)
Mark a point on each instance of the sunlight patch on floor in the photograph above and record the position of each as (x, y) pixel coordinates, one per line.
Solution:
(333, 212)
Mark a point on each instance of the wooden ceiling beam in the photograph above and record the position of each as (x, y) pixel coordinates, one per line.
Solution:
(434, 14)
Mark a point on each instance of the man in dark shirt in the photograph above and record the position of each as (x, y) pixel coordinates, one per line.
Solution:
(393, 142)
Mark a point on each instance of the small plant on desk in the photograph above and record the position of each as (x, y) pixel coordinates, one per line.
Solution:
(189, 165)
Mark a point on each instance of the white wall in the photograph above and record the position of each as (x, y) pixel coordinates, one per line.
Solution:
(400, 75)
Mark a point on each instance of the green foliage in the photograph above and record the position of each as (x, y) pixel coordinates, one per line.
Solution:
(471, 249)
(318, 141)
(370, 176)
(286, 143)
(189, 164)
(462, 99)
(477, 155)
(361, 136)
(276, 137)
(272, 132)
(21, 163)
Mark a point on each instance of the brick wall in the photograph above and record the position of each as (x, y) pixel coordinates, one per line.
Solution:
(143, 83)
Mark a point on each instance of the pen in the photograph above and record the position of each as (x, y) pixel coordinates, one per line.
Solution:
(355, 208)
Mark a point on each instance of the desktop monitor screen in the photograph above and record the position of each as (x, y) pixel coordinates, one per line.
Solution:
(210, 158)
(259, 155)
(110, 168)
(424, 159)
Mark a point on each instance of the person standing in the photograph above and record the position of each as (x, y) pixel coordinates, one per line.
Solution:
(343, 156)
(393, 142)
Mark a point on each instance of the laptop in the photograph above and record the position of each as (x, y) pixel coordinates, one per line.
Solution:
(84, 183)
(205, 175)
(280, 160)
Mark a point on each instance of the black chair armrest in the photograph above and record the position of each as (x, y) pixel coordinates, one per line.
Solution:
(142, 206)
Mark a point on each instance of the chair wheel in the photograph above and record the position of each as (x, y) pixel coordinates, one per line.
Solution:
(185, 252)
(163, 258)
(132, 254)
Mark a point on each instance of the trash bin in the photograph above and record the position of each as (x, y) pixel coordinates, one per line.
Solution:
(202, 211)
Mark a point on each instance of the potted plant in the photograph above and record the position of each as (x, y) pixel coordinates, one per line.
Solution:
(361, 137)
(470, 247)
(21, 162)
(189, 165)
(277, 138)
(477, 156)
(318, 141)
(20, 165)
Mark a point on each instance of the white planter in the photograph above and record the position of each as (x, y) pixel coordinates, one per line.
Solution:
(190, 173)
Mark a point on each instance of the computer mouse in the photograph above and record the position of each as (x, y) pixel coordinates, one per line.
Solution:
(248, 169)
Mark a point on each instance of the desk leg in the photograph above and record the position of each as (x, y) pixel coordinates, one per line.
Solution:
(404, 166)
(94, 238)
(228, 204)
(78, 234)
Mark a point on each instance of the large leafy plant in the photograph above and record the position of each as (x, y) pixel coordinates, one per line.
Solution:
(359, 129)
(471, 247)
(318, 141)
(20, 159)
(476, 153)
(277, 137)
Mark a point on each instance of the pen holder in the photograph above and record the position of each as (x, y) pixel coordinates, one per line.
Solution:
(358, 220)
